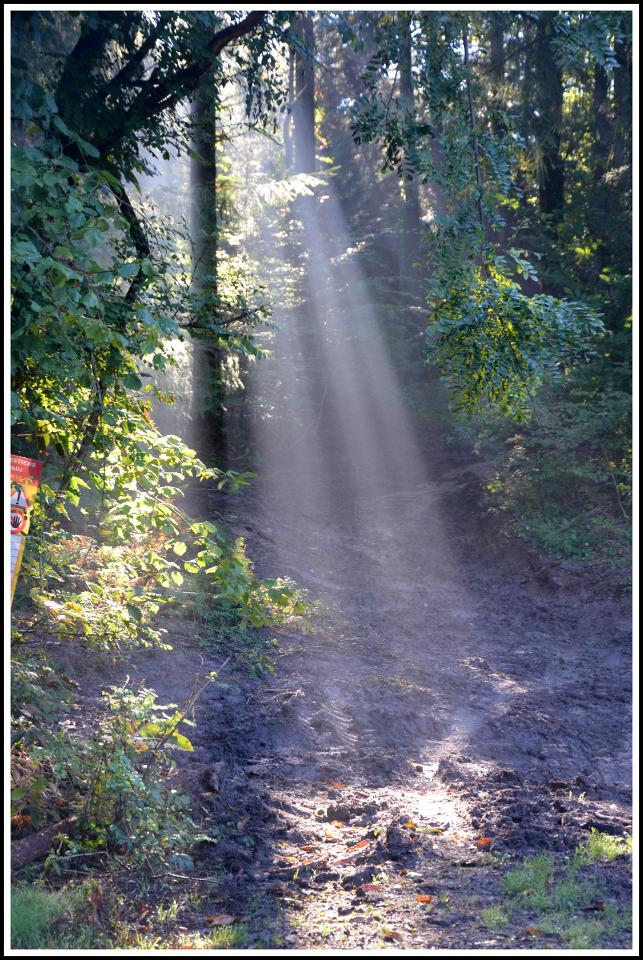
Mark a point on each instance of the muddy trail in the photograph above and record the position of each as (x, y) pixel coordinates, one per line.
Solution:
(460, 706)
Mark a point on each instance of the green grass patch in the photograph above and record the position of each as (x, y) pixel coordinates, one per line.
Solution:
(602, 848)
(50, 919)
(494, 918)
(554, 900)
(225, 938)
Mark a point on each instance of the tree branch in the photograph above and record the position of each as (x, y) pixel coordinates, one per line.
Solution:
(129, 69)
(159, 94)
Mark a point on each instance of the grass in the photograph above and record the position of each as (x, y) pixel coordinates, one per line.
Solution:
(225, 938)
(494, 918)
(554, 899)
(602, 848)
(531, 879)
(51, 919)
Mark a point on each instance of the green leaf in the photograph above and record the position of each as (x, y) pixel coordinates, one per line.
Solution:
(128, 270)
(180, 741)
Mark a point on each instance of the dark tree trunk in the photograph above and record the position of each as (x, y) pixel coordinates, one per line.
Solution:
(602, 124)
(412, 211)
(288, 136)
(623, 101)
(208, 386)
(497, 71)
(549, 94)
(304, 98)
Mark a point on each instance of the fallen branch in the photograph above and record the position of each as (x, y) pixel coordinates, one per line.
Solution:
(38, 845)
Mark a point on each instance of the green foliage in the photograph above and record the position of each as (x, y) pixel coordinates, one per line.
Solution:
(117, 779)
(581, 34)
(38, 694)
(566, 476)
(602, 848)
(494, 345)
(82, 348)
(494, 918)
(101, 291)
(521, 299)
(122, 776)
(533, 876)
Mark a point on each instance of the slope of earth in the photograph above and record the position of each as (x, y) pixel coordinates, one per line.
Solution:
(455, 712)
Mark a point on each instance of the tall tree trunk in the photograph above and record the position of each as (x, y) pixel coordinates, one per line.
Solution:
(412, 211)
(548, 127)
(602, 124)
(208, 357)
(288, 135)
(304, 98)
(497, 70)
(623, 99)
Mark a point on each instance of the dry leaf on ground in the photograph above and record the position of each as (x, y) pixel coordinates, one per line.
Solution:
(483, 842)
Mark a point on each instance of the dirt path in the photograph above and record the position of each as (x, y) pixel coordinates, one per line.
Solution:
(452, 693)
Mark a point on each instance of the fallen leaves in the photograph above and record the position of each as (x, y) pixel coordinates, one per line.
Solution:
(342, 861)
(358, 846)
(20, 821)
(281, 890)
(221, 919)
(483, 843)
(351, 853)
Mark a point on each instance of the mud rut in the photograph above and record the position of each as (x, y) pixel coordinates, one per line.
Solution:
(453, 691)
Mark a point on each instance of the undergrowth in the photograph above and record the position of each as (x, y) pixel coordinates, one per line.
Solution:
(108, 775)
(563, 480)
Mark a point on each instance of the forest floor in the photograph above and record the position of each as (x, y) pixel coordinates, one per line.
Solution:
(439, 768)
(385, 785)
(445, 761)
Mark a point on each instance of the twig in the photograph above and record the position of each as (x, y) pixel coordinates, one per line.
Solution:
(181, 876)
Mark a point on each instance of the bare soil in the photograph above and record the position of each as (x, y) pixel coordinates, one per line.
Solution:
(460, 687)
(409, 727)
(349, 789)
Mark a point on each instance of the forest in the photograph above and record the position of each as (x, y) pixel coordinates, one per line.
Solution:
(321, 479)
